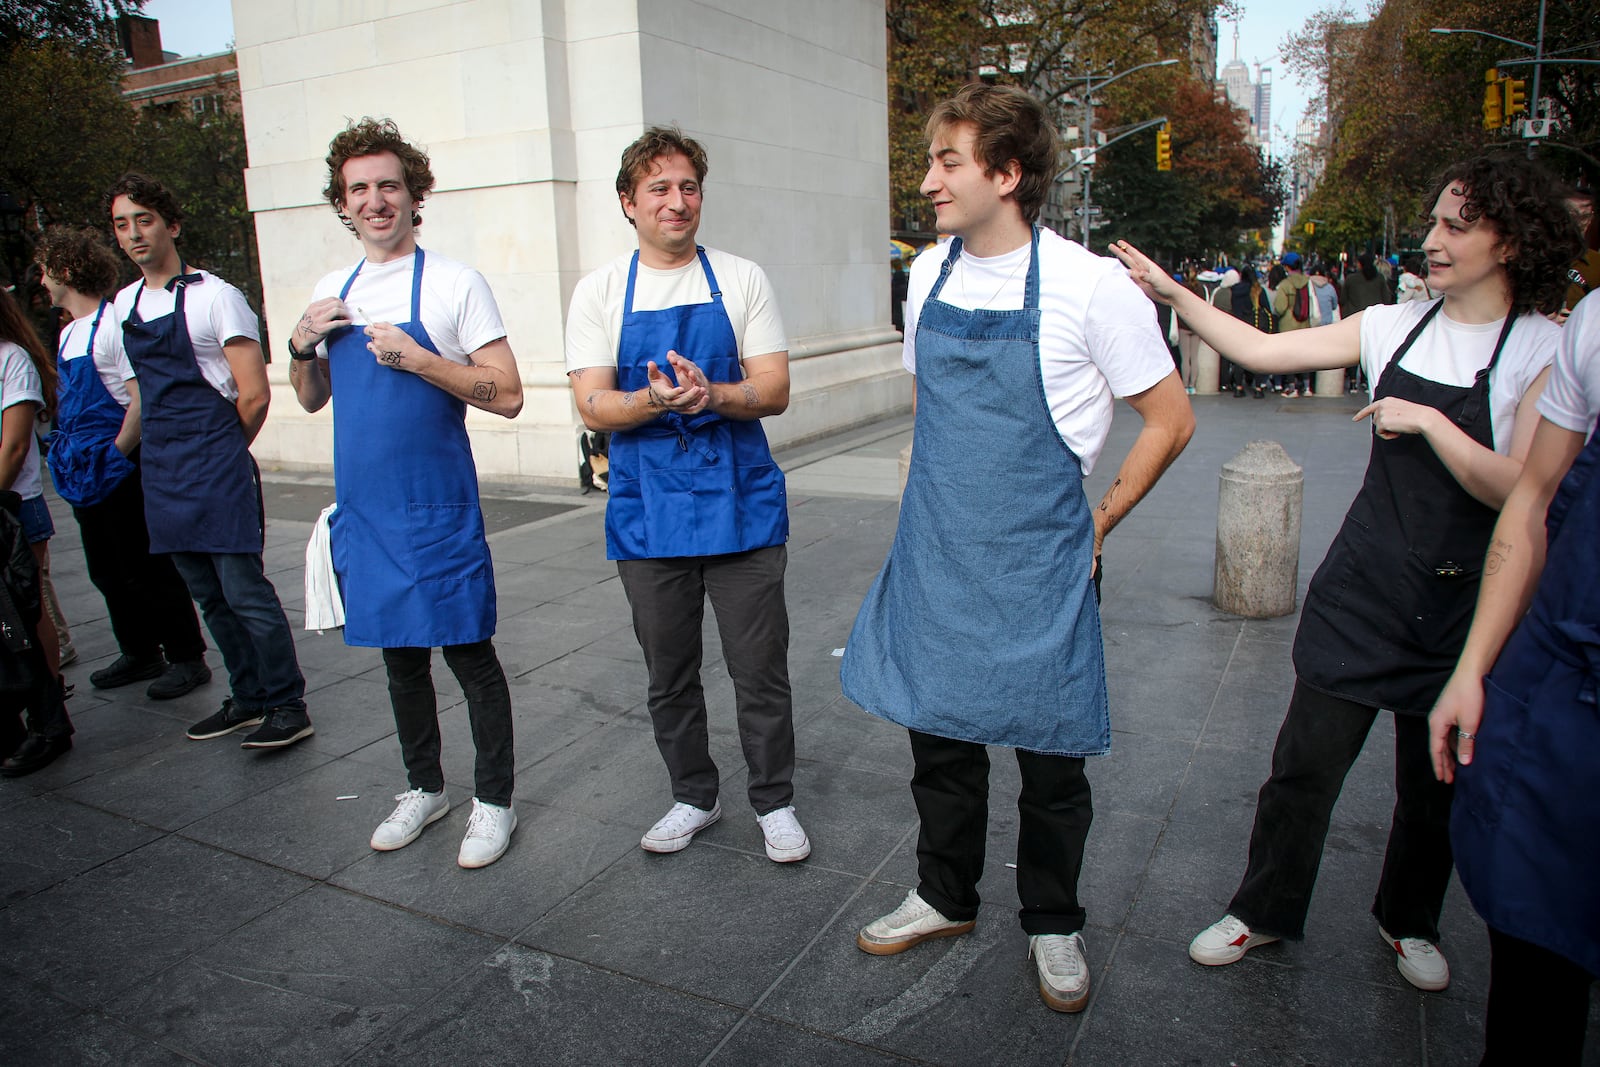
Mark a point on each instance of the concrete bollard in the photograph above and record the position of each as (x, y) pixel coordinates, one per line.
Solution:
(1258, 532)
(1207, 370)
(1329, 382)
(905, 468)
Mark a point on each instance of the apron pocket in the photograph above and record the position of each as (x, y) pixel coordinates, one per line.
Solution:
(446, 541)
(1481, 786)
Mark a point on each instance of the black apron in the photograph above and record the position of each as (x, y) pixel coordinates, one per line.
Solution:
(1388, 611)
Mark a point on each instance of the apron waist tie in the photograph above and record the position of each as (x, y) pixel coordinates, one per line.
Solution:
(1574, 643)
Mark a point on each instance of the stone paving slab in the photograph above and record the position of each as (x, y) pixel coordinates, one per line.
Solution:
(167, 901)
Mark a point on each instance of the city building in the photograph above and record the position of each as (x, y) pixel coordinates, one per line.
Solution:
(158, 78)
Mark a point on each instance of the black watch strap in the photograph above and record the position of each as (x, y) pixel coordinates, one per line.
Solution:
(303, 357)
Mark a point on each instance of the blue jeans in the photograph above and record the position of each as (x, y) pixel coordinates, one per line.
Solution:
(247, 624)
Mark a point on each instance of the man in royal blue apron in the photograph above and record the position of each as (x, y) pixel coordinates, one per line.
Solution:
(983, 627)
(678, 351)
(402, 342)
(195, 346)
(94, 459)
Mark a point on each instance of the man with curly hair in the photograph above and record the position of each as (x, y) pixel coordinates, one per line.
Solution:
(94, 460)
(403, 342)
(195, 346)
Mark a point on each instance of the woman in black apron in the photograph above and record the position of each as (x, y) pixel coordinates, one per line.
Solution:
(1387, 611)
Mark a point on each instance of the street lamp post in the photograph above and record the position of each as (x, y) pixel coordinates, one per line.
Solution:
(1537, 48)
(1090, 87)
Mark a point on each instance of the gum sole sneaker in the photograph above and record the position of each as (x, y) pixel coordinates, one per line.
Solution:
(1063, 972)
(1225, 941)
(488, 834)
(225, 720)
(1420, 962)
(675, 829)
(410, 817)
(786, 840)
(912, 923)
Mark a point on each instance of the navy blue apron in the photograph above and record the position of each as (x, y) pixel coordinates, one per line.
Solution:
(407, 537)
(1388, 610)
(202, 492)
(697, 485)
(84, 459)
(982, 625)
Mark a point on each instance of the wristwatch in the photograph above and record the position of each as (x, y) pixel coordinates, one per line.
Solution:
(305, 357)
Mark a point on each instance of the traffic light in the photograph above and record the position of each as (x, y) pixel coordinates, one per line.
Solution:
(1516, 97)
(1493, 118)
(1311, 229)
(1163, 150)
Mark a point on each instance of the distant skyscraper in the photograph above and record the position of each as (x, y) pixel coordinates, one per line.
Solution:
(1253, 96)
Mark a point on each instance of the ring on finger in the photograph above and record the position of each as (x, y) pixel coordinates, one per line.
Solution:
(1465, 736)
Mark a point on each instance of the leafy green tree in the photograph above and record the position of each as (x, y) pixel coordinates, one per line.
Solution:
(68, 20)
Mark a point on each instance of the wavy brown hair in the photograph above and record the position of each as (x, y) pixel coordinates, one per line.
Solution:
(368, 138)
(147, 193)
(15, 327)
(639, 157)
(1524, 203)
(80, 257)
(1009, 125)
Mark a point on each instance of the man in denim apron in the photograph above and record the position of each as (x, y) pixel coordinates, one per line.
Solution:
(983, 628)
(678, 352)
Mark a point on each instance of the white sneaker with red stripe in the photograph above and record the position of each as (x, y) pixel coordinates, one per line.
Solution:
(1420, 962)
(1225, 941)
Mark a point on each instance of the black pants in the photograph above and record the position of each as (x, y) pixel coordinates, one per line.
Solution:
(951, 788)
(1538, 1000)
(746, 589)
(1320, 739)
(416, 716)
(146, 599)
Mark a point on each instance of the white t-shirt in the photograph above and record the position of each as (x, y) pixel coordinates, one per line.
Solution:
(109, 359)
(458, 308)
(1098, 337)
(19, 383)
(594, 319)
(215, 312)
(1452, 353)
(1571, 399)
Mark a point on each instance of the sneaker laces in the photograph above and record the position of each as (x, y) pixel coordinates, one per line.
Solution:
(1229, 928)
(780, 825)
(410, 801)
(1059, 954)
(484, 821)
(910, 910)
(679, 818)
(1415, 948)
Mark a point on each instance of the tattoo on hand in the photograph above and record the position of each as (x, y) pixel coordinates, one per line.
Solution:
(484, 392)
(392, 358)
(305, 324)
(751, 397)
(1498, 551)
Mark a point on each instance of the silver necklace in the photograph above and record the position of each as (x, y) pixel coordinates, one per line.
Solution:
(967, 299)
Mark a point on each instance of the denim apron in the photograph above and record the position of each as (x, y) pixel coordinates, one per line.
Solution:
(982, 625)
(1388, 610)
(407, 537)
(696, 485)
(84, 459)
(202, 492)
(1526, 822)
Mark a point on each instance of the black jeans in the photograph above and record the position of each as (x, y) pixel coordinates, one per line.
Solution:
(1537, 1000)
(1320, 739)
(146, 599)
(951, 788)
(746, 589)
(416, 716)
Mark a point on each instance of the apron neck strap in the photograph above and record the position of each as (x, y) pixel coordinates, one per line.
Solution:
(416, 283)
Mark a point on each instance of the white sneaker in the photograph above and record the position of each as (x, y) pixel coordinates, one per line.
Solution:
(1063, 972)
(488, 834)
(1420, 962)
(677, 827)
(786, 841)
(912, 923)
(414, 812)
(1225, 941)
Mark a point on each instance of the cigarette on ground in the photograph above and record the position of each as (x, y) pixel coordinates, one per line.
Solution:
(1013, 866)
(348, 796)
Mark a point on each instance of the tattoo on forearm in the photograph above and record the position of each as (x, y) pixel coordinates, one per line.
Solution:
(628, 400)
(391, 357)
(751, 397)
(1498, 551)
(484, 392)
(590, 401)
(1105, 501)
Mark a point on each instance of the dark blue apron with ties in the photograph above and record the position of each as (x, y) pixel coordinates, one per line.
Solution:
(84, 459)
(982, 625)
(1526, 822)
(202, 492)
(695, 485)
(407, 537)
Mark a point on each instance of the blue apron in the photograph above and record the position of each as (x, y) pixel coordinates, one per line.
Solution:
(407, 537)
(1526, 822)
(202, 492)
(700, 485)
(84, 459)
(982, 625)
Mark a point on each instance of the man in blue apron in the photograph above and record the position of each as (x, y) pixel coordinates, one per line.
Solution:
(1522, 741)
(94, 459)
(983, 628)
(402, 342)
(195, 346)
(678, 351)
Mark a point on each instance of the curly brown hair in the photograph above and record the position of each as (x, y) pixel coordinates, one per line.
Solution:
(1009, 125)
(80, 257)
(1523, 202)
(147, 193)
(15, 327)
(369, 137)
(654, 143)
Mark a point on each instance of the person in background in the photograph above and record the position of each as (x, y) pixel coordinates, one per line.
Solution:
(1286, 282)
(1583, 275)
(1411, 285)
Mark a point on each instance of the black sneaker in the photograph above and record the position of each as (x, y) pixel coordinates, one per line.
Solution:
(126, 670)
(225, 720)
(179, 678)
(35, 754)
(284, 726)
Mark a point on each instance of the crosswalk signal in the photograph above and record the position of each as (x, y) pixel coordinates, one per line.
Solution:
(1493, 117)
(1516, 97)
(1163, 150)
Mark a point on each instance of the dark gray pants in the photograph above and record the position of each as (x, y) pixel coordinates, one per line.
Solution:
(416, 716)
(746, 589)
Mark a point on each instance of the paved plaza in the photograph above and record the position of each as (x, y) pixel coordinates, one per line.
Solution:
(173, 901)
